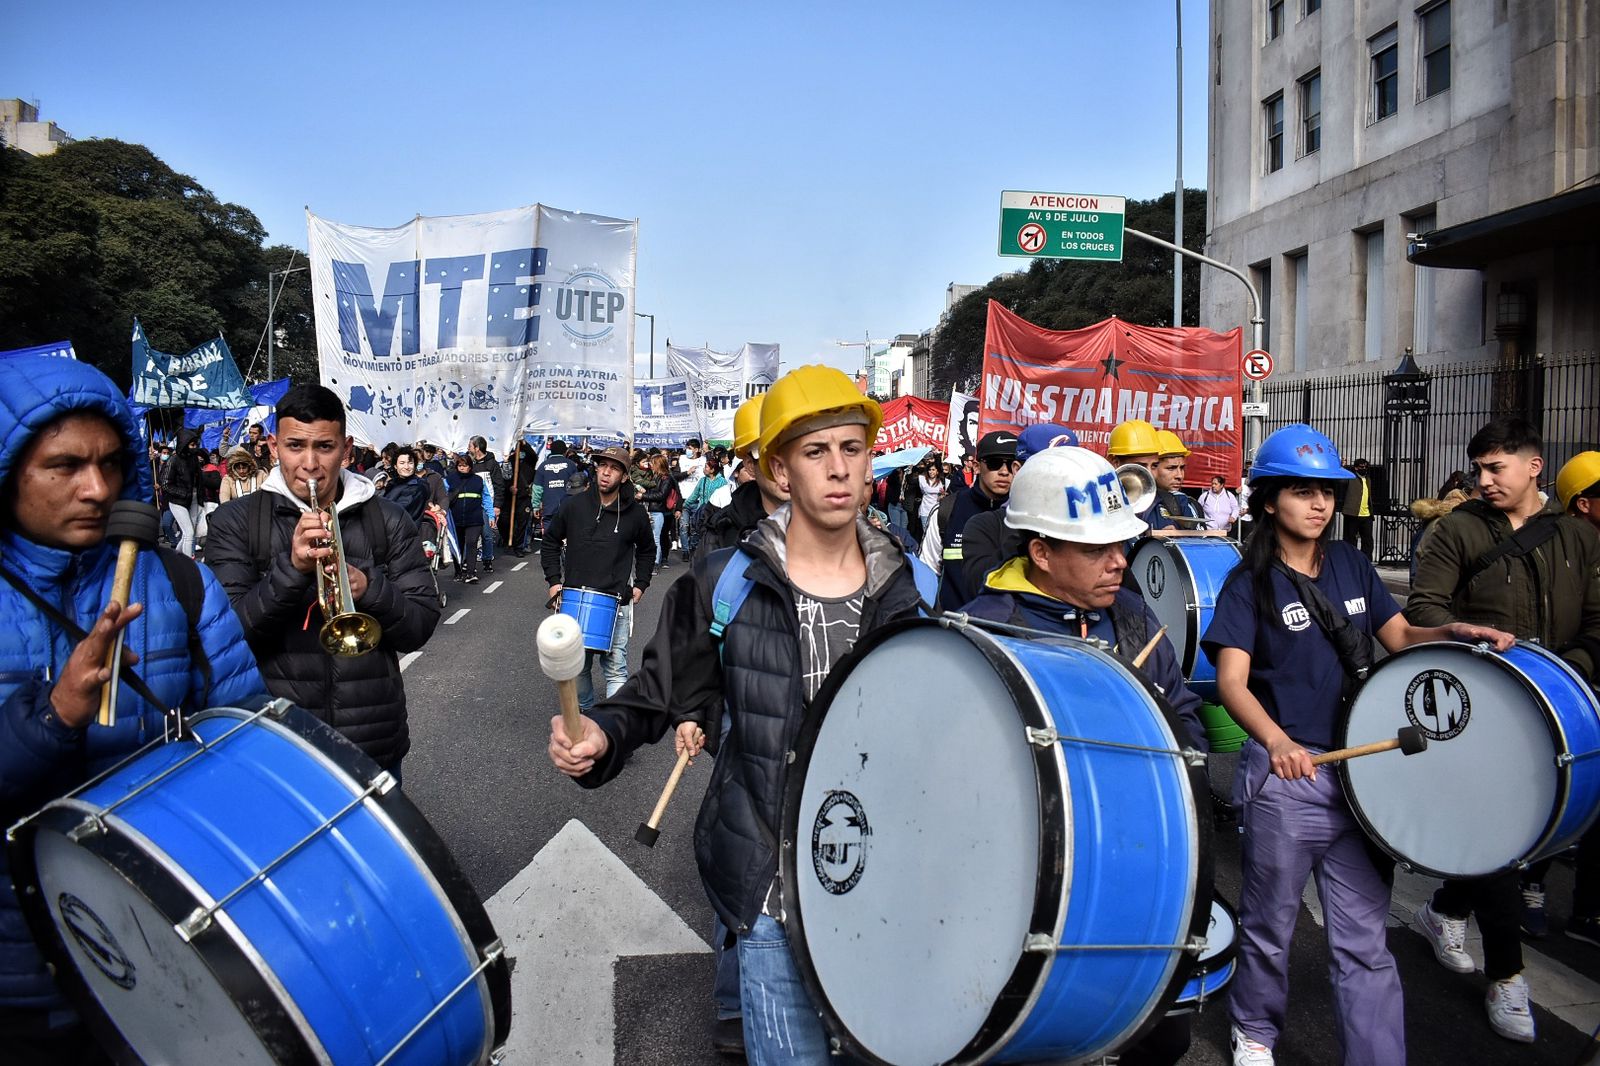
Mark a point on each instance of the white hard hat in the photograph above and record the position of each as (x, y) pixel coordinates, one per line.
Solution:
(1071, 494)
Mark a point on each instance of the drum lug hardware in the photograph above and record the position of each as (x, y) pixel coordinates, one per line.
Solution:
(278, 709)
(497, 1056)
(91, 826)
(1039, 944)
(1196, 946)
(1481, 648)
(1194, 757)
(384, 783)
(1042, 738)
(193, 925)
(1566, 758)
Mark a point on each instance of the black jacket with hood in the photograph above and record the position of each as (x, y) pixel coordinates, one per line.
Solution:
(597, 539)
(728, 525)
(758, 678)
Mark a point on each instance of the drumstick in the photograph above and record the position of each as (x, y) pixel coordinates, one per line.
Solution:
(137, 525)
(561, 657)
(647, 832)
(1138, 660)
(1409, 740)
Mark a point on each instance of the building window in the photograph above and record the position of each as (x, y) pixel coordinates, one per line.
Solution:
(1274, 19)
(1373, 313)
(1385, 74)
(1311, 112)
(1302, 313)
(1424, 309)
(1261, 275)
(1434, 39)
(1311, 7)
(1272, 114)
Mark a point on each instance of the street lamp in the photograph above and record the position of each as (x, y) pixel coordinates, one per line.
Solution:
(652, 318)
(272, 305)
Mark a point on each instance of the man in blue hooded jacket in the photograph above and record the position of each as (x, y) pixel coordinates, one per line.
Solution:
(69, 448)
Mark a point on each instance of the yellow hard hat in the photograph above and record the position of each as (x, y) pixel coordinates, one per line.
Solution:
(1134, 437)
(803, 400)
(1578, 474)
(747, 424)
(1168, 444)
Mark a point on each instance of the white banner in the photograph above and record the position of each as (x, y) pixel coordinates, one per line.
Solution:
(663, 415)
(446, 328)
(961, 439)
(720, 381)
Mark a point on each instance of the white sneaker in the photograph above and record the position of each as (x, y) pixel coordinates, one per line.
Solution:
(1247, 1052)
(1507, 1003)
(1448, 937)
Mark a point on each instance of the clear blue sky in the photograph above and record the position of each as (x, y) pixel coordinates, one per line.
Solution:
(801, 173)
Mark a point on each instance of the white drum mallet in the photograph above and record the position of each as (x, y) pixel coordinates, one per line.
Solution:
(561, 656)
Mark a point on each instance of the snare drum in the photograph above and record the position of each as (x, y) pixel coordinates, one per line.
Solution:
(595, 613)
(1509, 774)
(1214, 969)
(260, 892)
(1181, 579)
(991, 849)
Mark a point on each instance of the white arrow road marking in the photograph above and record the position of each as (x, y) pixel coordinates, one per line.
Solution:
(408, 658)
(492, 587)
(566, 918)
(519, 566)
(458, 616)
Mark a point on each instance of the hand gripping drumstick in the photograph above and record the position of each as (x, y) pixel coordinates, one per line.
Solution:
(561, 658)
(1409, 740)
(647, 832)
(137, 525)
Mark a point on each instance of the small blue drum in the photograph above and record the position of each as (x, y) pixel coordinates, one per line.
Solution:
(1509, 775)
(991, 850)
(596, 615)
(1181, 578)
(260, 892)
(1214, 969)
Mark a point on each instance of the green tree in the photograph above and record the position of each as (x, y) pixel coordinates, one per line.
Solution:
(1071, 294)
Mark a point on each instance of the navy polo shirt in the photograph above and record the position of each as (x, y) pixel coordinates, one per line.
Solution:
(1294, 670)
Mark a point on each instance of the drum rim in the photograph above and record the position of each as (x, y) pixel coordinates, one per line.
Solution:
(1191, 621)
(591, 591)
(410, 829)
(1558, 736)
(1031, 973)
(1223, 959)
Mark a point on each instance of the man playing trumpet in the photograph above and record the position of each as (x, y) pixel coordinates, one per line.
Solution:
(268, 548)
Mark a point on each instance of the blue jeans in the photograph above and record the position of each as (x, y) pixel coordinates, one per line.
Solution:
(781, 1028)
(616, 660)
(657, 520)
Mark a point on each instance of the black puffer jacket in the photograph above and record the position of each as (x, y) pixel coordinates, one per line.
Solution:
(736, 836)
(362, 696)
(728, 525)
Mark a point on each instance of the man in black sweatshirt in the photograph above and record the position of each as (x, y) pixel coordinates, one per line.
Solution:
(609, 549)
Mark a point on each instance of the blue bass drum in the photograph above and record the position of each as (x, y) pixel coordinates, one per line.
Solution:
(1181, 578)
(1509, 775)
(260, 892)
(1214, 969)
(596, 615)
(991, 849)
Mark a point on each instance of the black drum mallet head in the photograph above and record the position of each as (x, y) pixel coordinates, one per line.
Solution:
(134, 520)
(1412, 740)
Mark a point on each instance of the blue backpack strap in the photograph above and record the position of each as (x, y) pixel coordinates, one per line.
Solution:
(927, 581)
(732, 589)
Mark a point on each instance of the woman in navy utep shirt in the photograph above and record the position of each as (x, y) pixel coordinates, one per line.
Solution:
(1282, 681)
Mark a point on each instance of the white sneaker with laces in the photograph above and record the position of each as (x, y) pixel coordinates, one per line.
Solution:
(1247, 1052)
(1447, 937)
(1507, 1003)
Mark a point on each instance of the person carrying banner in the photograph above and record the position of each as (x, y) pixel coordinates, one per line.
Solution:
(821, 577)
(69, 450)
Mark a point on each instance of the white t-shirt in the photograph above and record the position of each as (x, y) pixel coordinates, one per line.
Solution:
(695, 467)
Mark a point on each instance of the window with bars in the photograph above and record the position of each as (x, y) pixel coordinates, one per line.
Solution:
(1272, 116)
(1385, 54)
(1434, 40)
(1311, 112)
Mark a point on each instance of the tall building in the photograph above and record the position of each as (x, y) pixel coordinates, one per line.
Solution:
(20, 128)
(1396, 175)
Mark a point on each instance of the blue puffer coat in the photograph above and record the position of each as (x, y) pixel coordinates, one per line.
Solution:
(39, 758)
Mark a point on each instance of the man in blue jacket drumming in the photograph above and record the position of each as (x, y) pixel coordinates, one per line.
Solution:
(69, 449)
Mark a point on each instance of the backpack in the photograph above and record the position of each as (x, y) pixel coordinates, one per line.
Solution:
(734, 585)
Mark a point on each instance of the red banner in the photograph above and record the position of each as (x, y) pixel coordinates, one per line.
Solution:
(1185, 380)
(912, 422)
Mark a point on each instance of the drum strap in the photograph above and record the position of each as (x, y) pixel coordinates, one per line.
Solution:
(1524, 541)
(1353, 646)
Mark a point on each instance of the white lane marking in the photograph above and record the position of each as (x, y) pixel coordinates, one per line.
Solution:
(519, 566)
(408, 658)
(492, 587)
(458, 616)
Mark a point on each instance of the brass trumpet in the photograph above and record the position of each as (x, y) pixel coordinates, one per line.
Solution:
(346, 630)
(1138, 484)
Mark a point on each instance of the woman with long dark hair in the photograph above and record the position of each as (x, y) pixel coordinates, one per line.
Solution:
(1286, 682)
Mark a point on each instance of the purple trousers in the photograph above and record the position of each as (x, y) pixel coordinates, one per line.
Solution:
(1294, 830)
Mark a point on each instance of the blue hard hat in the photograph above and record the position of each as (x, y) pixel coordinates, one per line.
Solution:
(1300, 452)
(1037, 438)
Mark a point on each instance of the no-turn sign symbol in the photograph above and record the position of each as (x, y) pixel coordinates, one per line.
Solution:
(1030, 238)
(1257, 364)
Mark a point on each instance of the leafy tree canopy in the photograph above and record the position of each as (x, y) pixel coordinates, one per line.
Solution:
(1071, 294)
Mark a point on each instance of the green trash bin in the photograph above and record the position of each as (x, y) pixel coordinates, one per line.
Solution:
(1222, 731)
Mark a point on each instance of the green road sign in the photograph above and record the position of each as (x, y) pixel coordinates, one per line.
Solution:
(1061, 225)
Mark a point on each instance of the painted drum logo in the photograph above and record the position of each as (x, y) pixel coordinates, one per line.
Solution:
(95, 940)
(587, 305)
(839, 842)
(1155, 578)
(1437, 703)
(1295, 617)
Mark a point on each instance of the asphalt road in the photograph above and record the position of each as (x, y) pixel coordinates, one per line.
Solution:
(480, 713)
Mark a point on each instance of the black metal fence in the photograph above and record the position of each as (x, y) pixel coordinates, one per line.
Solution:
(1418, 446)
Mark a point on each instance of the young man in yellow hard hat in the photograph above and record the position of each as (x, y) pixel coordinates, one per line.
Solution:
(819, 577)
(753, 500)
(1578, 487)
(1174, 508)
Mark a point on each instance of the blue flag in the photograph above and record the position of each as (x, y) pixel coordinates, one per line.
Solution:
(59, 348)
(205, 376)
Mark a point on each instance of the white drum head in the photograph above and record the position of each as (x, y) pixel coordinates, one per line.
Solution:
(1483, 793)
(1168, 586)
(917, 850)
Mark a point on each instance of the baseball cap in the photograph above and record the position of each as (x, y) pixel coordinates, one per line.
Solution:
(1036, 439)
(997, 445)
(613, 455)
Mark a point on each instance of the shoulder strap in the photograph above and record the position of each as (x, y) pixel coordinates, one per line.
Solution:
(732, 589)
(1524, 541)
(1354, 646)
(259, 529)
(947, 507)
(184, 574)
(377, 532)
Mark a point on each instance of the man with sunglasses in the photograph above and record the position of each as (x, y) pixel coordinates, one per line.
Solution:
(941, 544)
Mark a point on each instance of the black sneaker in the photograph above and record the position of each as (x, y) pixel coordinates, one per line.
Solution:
(471, 579)
(488, 568)
(727, 1037)
(1586, 929)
